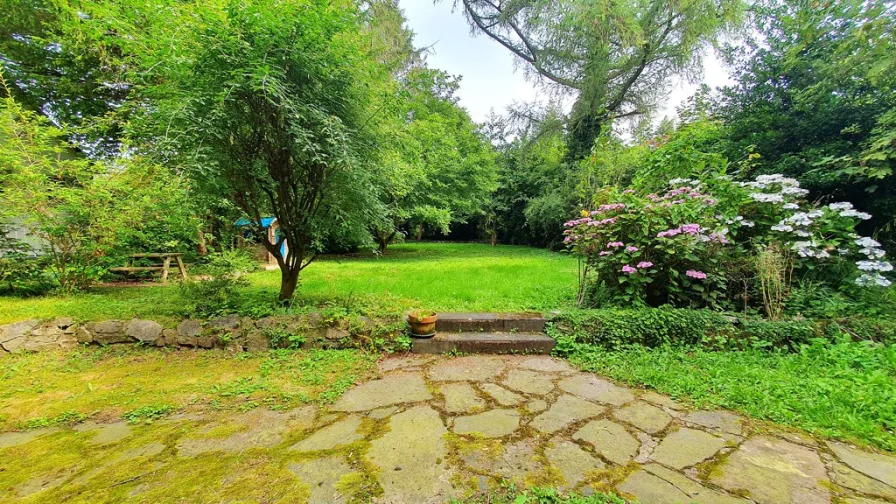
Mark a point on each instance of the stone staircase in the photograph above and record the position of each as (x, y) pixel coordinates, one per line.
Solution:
(493, 333)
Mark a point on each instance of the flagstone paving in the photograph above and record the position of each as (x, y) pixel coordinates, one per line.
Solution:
(434, 429)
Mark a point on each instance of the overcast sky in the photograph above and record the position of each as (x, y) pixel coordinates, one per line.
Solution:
(489, 80)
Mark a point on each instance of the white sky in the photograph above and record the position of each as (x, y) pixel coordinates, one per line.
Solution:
(489, 80)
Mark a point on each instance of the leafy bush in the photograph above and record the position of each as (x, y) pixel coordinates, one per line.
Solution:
(777, 333)
(654, 249)
(683, 245)
(80, 209)
(613, 328)
(219, 289)
(617, 328)
(21, 271)
(864, 329)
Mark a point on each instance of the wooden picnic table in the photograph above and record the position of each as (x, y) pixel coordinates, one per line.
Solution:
(166, 258)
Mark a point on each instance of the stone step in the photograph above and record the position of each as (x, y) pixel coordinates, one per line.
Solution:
(485, 342)
(490, 322)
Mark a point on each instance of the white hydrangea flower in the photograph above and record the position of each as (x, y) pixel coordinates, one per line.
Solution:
(874, 266)
(767, 198)
(873, 279)
(873, 253)
(802, 233)
(856, 214)
(747, 223)
(777, 178)
(794, 191)
(782, 227)
(814, 214)
(800, 219)
(684, 181)
(791, 206)
(843, 205)
(867, 242)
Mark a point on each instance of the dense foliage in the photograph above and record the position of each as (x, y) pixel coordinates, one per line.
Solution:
(79, 210)
(815, 99)
(326, 116)
(321, 114)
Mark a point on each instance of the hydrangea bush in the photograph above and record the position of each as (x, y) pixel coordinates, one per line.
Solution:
(654, 249)
(672, 247)
(816, 234)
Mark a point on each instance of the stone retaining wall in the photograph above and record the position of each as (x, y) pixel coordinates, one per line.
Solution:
(229, 332)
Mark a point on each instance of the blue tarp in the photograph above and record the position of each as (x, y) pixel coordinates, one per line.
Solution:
(265, 222)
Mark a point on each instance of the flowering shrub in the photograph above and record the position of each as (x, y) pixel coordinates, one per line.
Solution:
(815, 234)
(654, 249)
(668, 248)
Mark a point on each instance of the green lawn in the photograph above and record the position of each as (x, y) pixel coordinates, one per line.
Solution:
(840, 390)
(441, 276)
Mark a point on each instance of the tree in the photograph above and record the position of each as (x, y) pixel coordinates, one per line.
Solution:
(78, 209)
(536, 184)
(438, 168)
(53, 69)
(265, 104)
(615, 57)
(815, 99)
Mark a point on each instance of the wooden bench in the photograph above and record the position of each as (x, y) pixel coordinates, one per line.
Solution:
(166, 258)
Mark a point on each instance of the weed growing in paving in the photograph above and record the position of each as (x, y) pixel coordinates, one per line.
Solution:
(511, 495)
(147, 414)
(842, 390)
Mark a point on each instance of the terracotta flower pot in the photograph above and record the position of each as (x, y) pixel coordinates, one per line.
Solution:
(423, 323)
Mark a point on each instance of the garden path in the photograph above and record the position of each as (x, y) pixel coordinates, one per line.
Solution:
(436, 428)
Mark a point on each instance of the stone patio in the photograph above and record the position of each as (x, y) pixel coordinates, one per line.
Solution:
(432, 429)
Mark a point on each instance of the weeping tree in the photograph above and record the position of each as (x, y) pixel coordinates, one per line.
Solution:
(616, 58)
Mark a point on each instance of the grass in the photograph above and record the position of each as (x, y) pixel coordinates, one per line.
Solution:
(438, 276)
(141, 385)
(536, 495)
(845, 390)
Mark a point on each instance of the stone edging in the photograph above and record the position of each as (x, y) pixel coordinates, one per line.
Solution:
(230, 332)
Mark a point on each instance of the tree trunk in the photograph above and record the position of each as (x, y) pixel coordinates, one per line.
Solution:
(289, 280)
(201, 247)
(420, 232)
(383, 240)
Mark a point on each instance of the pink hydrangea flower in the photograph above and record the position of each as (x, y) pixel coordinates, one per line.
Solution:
(606, 253)
(690, 229)
(631, 248)
(718, 238)
(628, 269)
(645, 265)
(696, 274)
(615, 244)
(668, 233)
